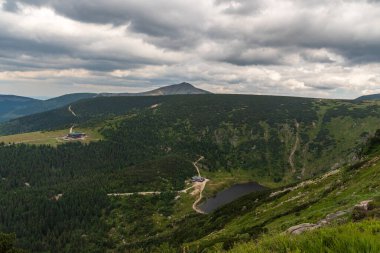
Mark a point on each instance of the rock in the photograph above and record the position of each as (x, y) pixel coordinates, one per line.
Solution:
(363, 205)
(298, 229)
(333, 216)
(57, 197)
(323, 222)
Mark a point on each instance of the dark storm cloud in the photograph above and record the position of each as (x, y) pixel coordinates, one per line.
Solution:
(44, 55)
(255, 58)
(317, 58)
(168, 24)
(345, 27)
(182, 26)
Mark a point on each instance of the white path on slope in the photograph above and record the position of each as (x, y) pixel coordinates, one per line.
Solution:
(202, 186)
(196, 167)
(294, 149)
(132, 193)
(146, 193)
(72, 112)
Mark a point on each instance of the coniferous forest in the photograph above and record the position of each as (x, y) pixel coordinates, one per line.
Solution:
(54, 198)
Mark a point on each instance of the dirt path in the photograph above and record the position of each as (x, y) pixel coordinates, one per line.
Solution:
(146, 193)
(196, 167)
(294, 149)
(199, 187)
(132, 193)
(72, 112)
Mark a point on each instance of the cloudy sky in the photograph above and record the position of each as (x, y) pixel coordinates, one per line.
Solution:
(318, 48)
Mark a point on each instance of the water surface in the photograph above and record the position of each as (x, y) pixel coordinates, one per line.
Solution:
(228, 195)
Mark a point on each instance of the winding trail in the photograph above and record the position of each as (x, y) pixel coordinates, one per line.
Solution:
(132, 193)
(201, 187)
(196, 167)
(294, 149)
(72, 112)
(198, 186)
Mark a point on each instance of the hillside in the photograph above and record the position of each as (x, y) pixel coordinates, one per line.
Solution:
(278, 136)
(301, 149)
(47, 184)
(12, 107)
(320, 204)
(256, 222)
(9, 105)
(352, 237)
(368, 97)
(176, 89)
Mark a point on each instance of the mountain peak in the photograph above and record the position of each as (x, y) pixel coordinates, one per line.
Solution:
(183, 88)
(184, 84)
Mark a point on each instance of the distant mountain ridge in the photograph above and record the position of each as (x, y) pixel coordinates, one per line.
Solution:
(16, 106)
(12, 106)
(368, 97)
(175, 89)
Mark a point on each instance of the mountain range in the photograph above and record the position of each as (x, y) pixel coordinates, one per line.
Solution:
(16, 106)
(368, 97)
(127, 186)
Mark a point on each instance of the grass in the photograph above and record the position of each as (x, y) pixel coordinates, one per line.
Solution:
(184, 205)
(308, 203)
(52, 138)
(361, 237)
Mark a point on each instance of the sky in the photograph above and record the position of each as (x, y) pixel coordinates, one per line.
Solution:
(312, 48)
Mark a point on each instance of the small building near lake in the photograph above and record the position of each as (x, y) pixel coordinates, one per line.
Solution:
(197, 179)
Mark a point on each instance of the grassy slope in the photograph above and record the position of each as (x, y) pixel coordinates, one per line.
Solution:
(258, 213)
(309, 202)
(349, 238)
(345, 123)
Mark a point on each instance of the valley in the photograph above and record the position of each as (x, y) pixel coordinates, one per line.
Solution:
(130, 180)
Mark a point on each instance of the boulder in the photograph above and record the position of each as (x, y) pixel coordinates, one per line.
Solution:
(363, 205)
(298, 229)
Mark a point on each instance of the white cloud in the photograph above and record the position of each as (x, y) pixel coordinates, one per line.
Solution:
(291, 47)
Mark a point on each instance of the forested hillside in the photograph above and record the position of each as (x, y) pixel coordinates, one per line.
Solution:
(55, 198)
(256, 222)
(276, 136)
(12, 107)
